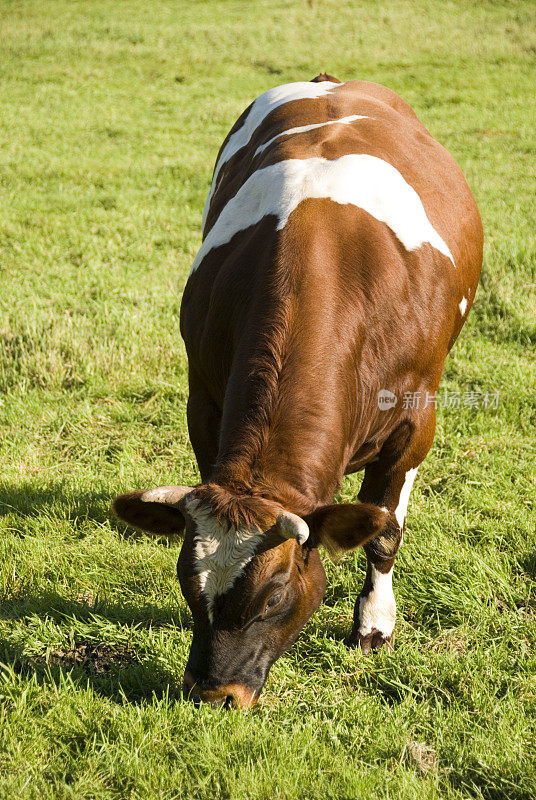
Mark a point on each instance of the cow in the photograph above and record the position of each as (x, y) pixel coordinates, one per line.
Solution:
(340, 256)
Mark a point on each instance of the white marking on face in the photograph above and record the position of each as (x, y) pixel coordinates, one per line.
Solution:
(378, 609)
(463, 306)
(260, 109)
(360, 180)
(304, 128)
(402, 507)
(221, 552)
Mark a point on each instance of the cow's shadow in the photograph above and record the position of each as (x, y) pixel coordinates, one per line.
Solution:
(24, 500)
(118, 669)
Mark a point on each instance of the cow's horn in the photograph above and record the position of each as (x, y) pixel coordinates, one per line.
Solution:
(169, 495)
(290, 526)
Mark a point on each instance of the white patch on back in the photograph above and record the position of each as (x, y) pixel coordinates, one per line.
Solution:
(377, 610)
(402, 507)
(360, 180)
(221, 552)
(260, 109)
(304, 128)
(463, 306)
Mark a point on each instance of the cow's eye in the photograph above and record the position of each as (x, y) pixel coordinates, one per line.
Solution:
(274, 601)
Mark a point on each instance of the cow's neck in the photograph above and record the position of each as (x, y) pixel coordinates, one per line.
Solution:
(285, 428)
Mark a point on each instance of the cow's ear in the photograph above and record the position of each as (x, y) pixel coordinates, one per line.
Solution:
(341, 528)
(157, 511)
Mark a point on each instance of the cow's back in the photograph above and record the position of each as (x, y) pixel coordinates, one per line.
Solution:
(349, 119)
(357, 117)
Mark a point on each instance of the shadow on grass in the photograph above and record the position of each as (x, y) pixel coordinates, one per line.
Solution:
(527, 562)
(338, 631)
(112, 669)
(486, 783)
(26, 500)
(50, 605)
(115, 672)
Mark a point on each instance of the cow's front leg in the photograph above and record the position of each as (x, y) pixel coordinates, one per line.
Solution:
(388, 483)
(375, 608)
(204, 420)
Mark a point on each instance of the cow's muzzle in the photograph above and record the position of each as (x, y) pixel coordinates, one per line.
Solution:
(232, 695)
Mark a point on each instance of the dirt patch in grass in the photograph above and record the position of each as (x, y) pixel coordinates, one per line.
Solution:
(93, 658)
(420, 755)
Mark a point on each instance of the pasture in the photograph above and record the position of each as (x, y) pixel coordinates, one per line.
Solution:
(111, 116)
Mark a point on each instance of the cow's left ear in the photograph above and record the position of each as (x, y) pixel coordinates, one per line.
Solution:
(343, 527)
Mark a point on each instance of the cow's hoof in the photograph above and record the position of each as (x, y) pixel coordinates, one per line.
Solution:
(370, 641)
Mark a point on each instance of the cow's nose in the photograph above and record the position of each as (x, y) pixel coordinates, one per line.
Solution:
(232, 695)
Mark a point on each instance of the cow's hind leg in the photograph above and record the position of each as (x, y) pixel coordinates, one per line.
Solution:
(387, 483)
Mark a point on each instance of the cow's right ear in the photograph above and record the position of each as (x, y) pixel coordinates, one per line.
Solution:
(345, 526)
(158, 511)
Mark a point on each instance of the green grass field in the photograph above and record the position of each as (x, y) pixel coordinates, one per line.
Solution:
(111, 115)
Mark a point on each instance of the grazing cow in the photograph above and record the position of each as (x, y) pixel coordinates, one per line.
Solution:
(341, 252)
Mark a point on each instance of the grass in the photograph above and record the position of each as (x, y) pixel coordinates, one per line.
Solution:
(111, 115)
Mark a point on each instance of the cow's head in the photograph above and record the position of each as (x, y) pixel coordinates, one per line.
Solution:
(251, 574)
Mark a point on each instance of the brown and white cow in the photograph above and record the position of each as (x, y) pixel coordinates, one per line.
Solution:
(341, 252)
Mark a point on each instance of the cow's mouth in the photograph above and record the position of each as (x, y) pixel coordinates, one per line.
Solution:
(231, 695)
